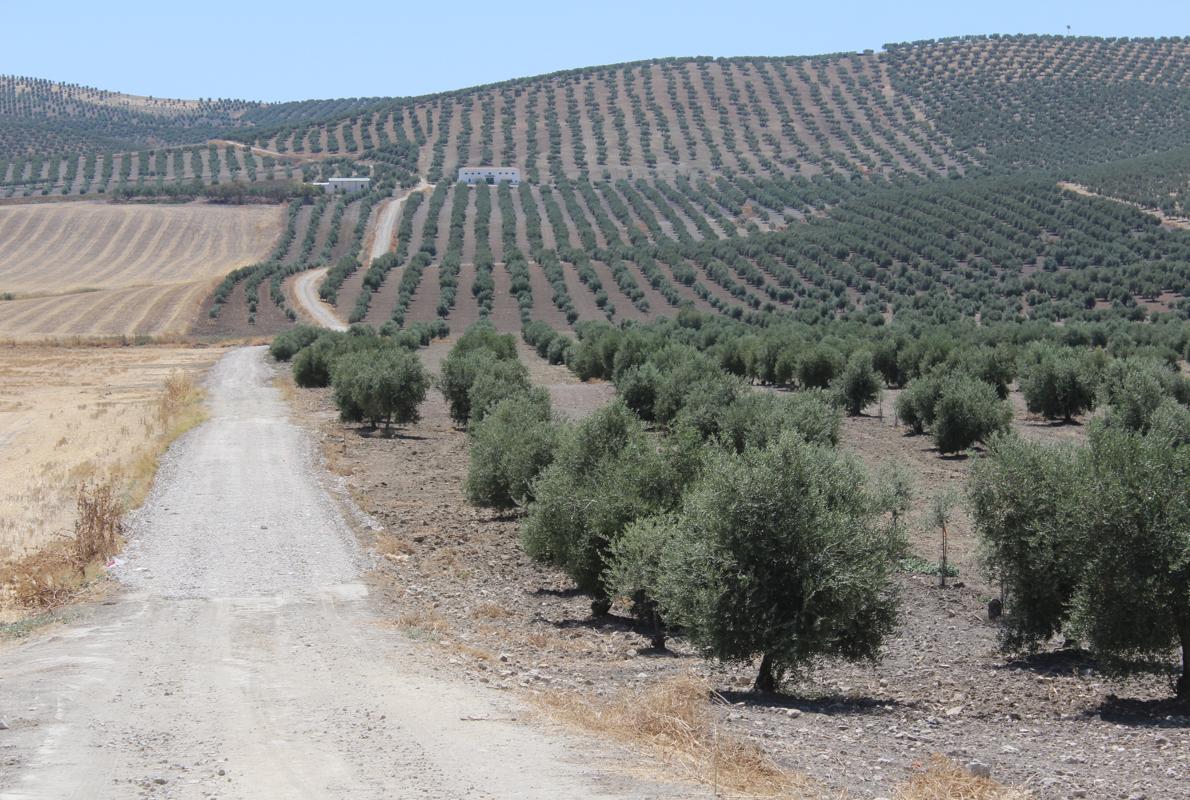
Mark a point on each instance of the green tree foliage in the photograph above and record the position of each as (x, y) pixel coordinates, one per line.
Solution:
(818, 366)
(312, 364)
(510, 447)
(474, 354)
(605, 474)
(1058, 384)
(494, 380)
(1098, 544)
(859, 384)
(968, 411)
(1133, 600)
(634, 569)
(915, 406)
(758, 420)
(286, 345)
(637, 386)
(1133, 389)
(1026, 502)
(778, 553)
(380, 386)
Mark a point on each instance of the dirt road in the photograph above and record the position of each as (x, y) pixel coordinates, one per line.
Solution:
(305, 288)
(244, 658)
(386, 222)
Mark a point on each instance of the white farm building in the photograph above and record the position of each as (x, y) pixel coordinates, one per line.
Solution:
(345, 185)
(473, 175)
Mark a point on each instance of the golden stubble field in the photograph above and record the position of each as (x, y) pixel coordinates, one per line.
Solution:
(101, 269)
(75, 414)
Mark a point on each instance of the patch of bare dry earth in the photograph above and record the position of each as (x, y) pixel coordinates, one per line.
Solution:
(69, 415)
(98, 269)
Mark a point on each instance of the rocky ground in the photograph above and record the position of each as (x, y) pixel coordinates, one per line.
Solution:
(456, 578)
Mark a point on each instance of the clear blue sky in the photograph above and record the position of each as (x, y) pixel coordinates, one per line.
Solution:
(300, 50)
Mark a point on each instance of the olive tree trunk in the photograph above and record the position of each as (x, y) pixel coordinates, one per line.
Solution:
(1183, 687)
(766, 682)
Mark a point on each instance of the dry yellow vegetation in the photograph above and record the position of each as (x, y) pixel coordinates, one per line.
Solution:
(98, 269)
(70, 415)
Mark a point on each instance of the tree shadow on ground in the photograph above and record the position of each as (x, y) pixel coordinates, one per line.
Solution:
(1066, 661)
(1063, 661)
(548, 592)
(621, 624)
(509, 515)
(605, 622)
(382, 433)
(829, 704)
(1052, 423)
(1165, 712)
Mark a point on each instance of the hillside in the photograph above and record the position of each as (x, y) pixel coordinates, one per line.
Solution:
(41, 118)
(921, 180)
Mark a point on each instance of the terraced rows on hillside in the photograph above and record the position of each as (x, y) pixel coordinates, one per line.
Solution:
(992, 250)
(923, 179)
(39, 117)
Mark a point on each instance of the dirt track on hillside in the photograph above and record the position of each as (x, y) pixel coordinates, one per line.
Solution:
(242, 658)
(305, 289)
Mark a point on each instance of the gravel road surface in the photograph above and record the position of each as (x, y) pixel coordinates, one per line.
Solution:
(244, 659)
(386, 221)
(306, 290)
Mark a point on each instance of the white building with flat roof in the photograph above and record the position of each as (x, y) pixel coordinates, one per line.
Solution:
(474, 175)
(346, 185)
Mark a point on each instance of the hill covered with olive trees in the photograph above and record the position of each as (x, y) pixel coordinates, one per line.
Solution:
(988, 178)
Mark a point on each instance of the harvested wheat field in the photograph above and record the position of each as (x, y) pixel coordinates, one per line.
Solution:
(97, 269)
(74, 415)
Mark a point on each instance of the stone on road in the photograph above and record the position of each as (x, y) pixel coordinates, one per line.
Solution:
(243, 658)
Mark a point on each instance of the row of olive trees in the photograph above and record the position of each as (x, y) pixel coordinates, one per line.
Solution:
(717, 527)
(376, 378)
(1094, 541)
(742, 526)
(961, 401)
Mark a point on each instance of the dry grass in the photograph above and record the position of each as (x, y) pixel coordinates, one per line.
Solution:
(942, 779)
(676, 721)
(490, 611)
(81, 433)
(178, 409)
(48, 577)
(424, 622)
(472, 652)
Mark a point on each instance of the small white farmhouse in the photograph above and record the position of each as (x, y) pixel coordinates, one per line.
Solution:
(473, 175)
(347, 185)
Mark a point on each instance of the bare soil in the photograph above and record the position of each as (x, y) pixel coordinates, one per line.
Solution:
(101, 269)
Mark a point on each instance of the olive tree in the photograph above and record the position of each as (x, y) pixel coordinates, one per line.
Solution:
(603, 477)
(916, 404)
(379, 386)
(1133, 599)
(493, 381)
(1026, 502)
(510, 447)
(1093, 542)
(778, 552)
(968, 411)
(475, 352)
(859, 384)
(1058, 385)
